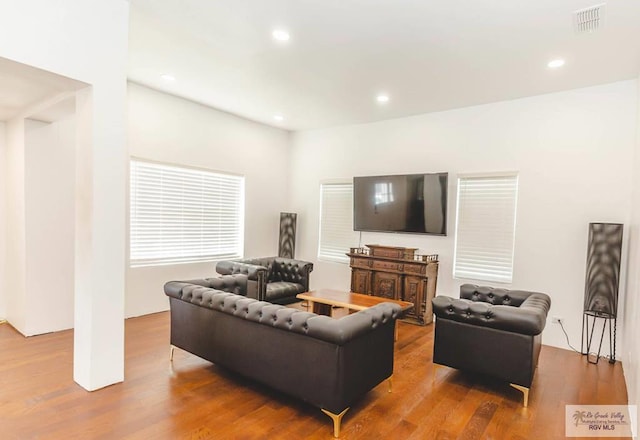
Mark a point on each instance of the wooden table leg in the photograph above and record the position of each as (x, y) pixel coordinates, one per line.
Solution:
(321, 309)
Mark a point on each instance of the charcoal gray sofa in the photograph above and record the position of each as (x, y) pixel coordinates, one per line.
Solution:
(496, 332)
(274, 279)
(327, 362)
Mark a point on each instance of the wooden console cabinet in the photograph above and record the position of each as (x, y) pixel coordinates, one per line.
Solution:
(396, 273)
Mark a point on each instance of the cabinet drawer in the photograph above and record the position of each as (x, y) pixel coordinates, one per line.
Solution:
(387, 265)
(415, 268)
(360, 262)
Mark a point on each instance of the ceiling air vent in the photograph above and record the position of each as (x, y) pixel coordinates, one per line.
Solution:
(589, 19)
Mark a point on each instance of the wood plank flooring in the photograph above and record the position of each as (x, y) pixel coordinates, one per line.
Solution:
(193, 399)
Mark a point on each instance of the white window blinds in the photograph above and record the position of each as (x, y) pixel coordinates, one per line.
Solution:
(180, 215)
(336, 222)
(485, 227)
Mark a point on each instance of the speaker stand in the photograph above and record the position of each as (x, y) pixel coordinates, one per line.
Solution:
(587, 335)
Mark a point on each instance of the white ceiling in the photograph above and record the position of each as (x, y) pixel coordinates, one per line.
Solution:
(24, 87)
(427, 55)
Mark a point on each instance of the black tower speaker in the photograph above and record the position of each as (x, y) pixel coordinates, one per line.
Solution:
(604, 254)
(603, 268)
(287, 242)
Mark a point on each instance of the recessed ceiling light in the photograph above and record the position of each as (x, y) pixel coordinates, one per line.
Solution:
(278, 118)
(167, 77)
(554, 64)
(281, 35)
(382, 98)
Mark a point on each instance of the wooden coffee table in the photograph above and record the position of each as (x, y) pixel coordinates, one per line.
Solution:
(324, 299)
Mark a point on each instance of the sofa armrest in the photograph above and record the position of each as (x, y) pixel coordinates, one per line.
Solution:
(226, 283)
(256, 276)
(252, 271)
(340, 331)
(528, 319)
(190, 291)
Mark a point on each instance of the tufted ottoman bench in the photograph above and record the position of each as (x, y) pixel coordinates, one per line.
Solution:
(329, 363)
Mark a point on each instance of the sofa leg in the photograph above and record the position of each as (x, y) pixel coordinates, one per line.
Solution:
(171, 353)
(337, 419)
(525, 393)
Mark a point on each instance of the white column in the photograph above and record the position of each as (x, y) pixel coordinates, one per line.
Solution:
(101, 175)
(87, 40)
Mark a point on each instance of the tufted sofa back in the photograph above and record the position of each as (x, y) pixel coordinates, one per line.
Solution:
(492, 295)
(337, 331)
(292, 271)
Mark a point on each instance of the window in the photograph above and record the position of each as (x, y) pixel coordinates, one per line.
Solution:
(384, 193)
(181, 215)
(485, 227)
(336, 222)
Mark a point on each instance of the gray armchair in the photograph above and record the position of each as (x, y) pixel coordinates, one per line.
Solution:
(496, 332)
(273, 279)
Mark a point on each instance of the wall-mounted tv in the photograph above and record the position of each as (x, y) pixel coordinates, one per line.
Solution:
(410, 203)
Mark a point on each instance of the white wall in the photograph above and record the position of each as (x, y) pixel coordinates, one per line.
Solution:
(50, 224)
(3, 214)
(631, 305)
(168, 129)
(15, 262)
(40, 225)
(573, 153)
(87, 40)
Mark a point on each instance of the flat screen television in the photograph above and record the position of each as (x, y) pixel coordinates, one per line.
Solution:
(410, 203)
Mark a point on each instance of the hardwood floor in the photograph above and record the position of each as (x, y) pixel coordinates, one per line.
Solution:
(194, 399)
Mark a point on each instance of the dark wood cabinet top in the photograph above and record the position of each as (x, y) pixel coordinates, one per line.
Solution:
(400, 260)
